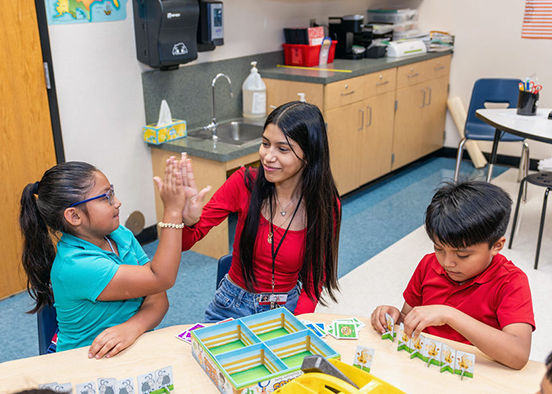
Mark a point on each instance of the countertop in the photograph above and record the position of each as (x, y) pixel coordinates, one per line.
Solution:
(222, 152)
(356, 68)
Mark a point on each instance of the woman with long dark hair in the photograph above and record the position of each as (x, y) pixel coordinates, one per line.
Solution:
(289, 215)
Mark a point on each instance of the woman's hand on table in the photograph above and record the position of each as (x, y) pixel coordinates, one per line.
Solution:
(113, 340)
(378, 317)
(194, 199)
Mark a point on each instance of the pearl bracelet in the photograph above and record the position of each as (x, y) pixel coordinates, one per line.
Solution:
(171, 225)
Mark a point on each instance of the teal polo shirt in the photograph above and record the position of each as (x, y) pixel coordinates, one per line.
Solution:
(80, 272)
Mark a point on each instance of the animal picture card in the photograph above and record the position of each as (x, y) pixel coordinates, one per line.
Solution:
(164, 378)
(417, 346)
(125, 386)
(86, 388)
(432, 352)
(464, 364)
(404, 342)
(106, 385)
(48, 386)
(448, 358)
(146, 383)
(363, 358)
(389, 328)
(345, 330)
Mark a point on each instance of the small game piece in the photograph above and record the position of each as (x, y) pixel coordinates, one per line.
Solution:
(448, 357)
(363, 358)
(48, 386)
(106, 385)
(124, 386)
(146, 383)
(389, 329)
(404, 342)
(318, 363)
(464, 364)
(344, 330)
(164, 378)
(432, 352)
(86, 388)
(417, 346)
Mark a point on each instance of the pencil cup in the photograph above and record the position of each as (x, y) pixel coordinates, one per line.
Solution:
(527, 103)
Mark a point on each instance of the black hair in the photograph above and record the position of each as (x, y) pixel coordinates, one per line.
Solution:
(304, 124)
(549, 367)
(468, 213)
(42, 217)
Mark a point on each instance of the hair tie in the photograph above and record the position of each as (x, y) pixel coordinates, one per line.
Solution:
(35, 188)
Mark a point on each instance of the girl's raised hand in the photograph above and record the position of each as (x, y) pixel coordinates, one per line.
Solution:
(171, 188)
(194, 199)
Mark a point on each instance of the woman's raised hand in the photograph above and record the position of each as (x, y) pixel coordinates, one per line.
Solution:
(171, 188)
(194, 199)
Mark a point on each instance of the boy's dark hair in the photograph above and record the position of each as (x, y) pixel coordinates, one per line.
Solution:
(549, 367)
(468, 213)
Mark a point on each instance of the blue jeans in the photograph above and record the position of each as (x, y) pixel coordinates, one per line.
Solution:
(233, 301)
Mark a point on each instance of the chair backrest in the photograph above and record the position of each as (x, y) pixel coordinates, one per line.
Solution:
(490, 90)
(47, 325)
(223, 267)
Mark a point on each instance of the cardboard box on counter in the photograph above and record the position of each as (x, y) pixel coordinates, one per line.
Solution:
(169, 132)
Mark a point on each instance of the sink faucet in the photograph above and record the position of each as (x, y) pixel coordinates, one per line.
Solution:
(213, 125)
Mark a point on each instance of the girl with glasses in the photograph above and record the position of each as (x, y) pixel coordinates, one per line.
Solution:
(289, 214)
(105, 290)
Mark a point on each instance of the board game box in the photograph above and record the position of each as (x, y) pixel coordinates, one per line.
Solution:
(258, 353)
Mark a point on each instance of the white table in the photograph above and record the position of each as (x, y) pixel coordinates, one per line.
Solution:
(537, 127)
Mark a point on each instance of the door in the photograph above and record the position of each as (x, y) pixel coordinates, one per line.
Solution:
(434, 115)
(26, 138)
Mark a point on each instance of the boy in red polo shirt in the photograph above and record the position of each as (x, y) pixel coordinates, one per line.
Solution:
(467, 291)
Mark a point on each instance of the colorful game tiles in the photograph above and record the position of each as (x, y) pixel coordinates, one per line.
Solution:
(258, 352)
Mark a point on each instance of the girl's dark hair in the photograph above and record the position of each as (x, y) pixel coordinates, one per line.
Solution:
(468, 213)
(42, 208)
(549, 367)
(304, 124)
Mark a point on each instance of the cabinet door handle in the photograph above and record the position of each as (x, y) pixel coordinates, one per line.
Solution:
(413, 75)
(361, 118)
(382, 83)
(348, 93)
(370, 117)
(439, 68)
(423, 99)
(429, 100)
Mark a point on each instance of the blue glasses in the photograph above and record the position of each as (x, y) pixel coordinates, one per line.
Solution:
(109, 195)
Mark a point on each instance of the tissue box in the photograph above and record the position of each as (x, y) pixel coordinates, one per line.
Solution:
(158, 135)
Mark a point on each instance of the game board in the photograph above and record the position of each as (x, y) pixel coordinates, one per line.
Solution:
(258, 353)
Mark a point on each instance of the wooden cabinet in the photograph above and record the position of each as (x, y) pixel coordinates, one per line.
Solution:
(377, 122)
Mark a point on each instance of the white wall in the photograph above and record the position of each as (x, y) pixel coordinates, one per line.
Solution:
(488, 43)
(99, 85)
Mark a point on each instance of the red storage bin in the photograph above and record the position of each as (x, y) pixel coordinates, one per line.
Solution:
(305, 55)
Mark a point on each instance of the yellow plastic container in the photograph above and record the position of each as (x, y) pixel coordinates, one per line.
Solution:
(319, 383)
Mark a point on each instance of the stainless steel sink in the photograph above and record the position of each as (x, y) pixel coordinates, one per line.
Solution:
(234, 132)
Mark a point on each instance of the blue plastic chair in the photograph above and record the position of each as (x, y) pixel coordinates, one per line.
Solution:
(491, 90)
(223, 267)
(47, 327)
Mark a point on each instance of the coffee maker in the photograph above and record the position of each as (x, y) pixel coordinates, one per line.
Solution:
(343, 29)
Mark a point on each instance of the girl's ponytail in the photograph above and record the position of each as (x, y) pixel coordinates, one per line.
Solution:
(43, 205)
(38, 249)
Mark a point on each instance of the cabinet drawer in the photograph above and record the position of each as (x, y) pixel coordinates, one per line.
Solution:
(380, 82)
(438, 67)
(411, 74)
(344, 92)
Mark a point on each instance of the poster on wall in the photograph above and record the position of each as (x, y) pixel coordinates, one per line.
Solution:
(537, 19)
(61, 12)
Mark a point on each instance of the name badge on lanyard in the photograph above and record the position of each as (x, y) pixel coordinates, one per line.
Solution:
(273, 298)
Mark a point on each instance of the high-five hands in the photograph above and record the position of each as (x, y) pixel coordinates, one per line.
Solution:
(194, 199)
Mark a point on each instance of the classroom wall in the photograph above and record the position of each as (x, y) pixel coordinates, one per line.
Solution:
(488, 43)
(99, 85)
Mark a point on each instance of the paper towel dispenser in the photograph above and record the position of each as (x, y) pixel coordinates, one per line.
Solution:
(166, 32)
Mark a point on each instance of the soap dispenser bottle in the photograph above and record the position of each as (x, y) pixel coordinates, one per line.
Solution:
(254, 94)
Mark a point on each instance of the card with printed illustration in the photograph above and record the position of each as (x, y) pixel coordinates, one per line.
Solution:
(106, 385)
(164, 378)
(389, 328)
(146, 383)
(343, 330)
(464, 364)
(404, 341)
(363, 358)
(417, 346)
(448, 358)
(432, 352)
(58, 387)
(48, 386)
(125, 386)
(86, 388)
